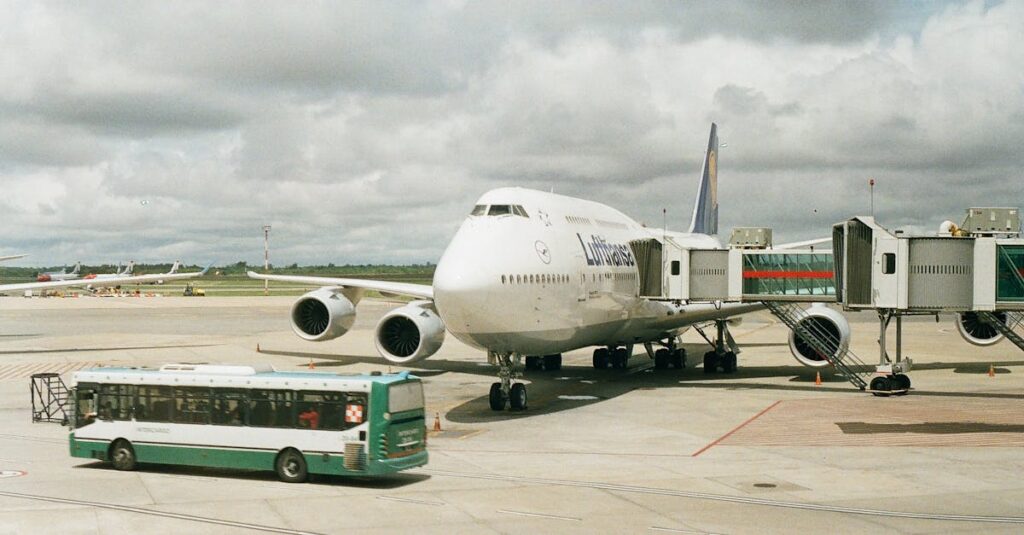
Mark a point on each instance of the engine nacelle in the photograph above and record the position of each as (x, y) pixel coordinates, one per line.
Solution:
(976, 331)
(410, 333)
(322, 315)
(820, 318)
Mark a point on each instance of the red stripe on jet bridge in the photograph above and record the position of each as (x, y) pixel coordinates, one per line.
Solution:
(787, 274)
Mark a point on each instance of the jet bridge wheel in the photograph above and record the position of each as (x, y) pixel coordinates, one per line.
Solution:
(881, 386)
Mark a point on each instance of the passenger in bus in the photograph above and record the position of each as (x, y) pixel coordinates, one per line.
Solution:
(311, 417)
(106, 412)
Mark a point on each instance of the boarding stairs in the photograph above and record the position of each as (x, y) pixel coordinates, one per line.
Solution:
(845, 361)
(49, 398)
(1007, 328)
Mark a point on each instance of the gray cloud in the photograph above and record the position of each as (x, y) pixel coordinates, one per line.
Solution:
(364, 132)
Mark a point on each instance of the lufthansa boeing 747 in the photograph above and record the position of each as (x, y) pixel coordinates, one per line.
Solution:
(530, 275)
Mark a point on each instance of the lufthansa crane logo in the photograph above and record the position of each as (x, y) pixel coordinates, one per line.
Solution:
(543, 252)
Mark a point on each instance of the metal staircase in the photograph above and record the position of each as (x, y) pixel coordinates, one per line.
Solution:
(1007, 328)
(845, 361)
(49, 398)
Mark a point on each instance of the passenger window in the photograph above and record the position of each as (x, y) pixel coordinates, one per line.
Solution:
(888, 263)
(192, 405)
(153, 404)
(500, 209)
(479, 209)
(115, 402)
(271, 408)
(229, 407)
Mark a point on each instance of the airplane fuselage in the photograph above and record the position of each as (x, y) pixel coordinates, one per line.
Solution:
(554, 274)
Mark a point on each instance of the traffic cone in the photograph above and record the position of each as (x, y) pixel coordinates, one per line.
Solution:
(817, 379)
(311, 365)
(991, 370)
(437, 422)
(257, 347)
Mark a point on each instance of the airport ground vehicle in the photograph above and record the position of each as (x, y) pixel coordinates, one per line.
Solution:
(192, 291)
(295, 423)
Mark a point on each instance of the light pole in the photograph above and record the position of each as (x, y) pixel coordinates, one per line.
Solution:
(266, 257)
(871, 184)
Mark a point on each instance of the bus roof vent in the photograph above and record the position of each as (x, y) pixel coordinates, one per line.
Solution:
(217, 369)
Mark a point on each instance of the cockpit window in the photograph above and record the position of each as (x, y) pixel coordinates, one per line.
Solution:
(518, 210)
(500, 209)
(479, 209)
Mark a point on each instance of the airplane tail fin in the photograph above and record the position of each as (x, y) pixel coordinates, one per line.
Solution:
(705, 209)
(77, 270)
(174, 268)
(129, 268)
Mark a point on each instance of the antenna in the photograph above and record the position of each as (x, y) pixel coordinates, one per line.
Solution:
(664, 224)
(871, 184)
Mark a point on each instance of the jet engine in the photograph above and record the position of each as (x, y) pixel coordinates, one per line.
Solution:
(820, 318)
(410, 333)
(322, 315)
(976, 331)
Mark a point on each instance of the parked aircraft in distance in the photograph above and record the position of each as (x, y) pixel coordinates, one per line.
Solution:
(531, 275)
(131, 279)
(62, 275)
(12, 257)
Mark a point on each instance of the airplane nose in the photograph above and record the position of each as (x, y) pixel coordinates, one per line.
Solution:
(464, 280)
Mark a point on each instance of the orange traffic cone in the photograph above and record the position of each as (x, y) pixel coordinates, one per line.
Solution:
(257, 347)
(817, 379)
(991, 370)
(437, 422)
(311, 365)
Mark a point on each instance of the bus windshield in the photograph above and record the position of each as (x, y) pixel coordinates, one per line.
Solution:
(405, 397)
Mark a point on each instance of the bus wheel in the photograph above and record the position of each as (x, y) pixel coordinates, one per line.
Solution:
(122, 455)
(291, 466)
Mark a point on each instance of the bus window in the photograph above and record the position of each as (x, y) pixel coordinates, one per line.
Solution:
(115, 402)
(154, 403)
(320, 410)
(271, 408)
(405, 396)
(85, 406)
(229, 407)
(192, 405)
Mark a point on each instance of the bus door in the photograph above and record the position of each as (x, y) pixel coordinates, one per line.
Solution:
(85, 398)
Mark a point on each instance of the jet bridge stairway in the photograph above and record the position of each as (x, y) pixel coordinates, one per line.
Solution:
(1007, 328)
(844, 360)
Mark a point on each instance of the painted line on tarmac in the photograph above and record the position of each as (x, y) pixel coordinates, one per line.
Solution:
(737, 428)
(410, 500)
(540, 515)
(673, 530)
(152, 512)
(730, 499)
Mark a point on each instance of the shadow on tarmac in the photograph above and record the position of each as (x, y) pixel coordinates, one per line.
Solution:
(577, 386)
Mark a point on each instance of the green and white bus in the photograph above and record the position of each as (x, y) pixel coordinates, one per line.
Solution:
(295, 423)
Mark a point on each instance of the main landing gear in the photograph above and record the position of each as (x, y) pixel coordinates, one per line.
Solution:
(724, 353)
(507, 392)
(668, 355)
(547, 362)
(617, 357)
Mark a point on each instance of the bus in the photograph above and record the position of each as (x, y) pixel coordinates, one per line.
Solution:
(249, 417)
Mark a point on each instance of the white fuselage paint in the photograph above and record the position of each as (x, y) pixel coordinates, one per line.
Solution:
(569, 278)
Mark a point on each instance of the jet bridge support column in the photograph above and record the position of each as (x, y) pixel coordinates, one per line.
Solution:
(892, 378)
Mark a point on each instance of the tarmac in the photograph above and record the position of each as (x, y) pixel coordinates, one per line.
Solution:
(764, 450)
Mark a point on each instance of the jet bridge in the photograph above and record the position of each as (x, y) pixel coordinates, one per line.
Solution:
(977, 273)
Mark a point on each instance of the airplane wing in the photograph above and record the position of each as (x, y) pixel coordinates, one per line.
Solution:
(802, 244)
(12, 257)
(421, 291)
(138, 279)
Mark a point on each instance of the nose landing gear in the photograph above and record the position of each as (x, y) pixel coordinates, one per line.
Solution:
(507, 392)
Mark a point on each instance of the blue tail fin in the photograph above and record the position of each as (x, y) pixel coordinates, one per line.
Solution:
(705, 209)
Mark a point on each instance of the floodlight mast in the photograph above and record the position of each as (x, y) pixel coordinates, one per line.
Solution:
(266, 257)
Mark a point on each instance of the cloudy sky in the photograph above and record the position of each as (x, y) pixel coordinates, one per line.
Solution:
(364, 132)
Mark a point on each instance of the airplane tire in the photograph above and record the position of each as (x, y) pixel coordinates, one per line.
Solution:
(552, 362)
(729, 362)
(533, 363)
(619, 358)
(679, 358)
(661, 358)
(496, 398)
(600, 358)
(710, 362)
(517, 397)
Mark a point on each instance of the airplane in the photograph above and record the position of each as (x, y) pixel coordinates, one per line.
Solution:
(131, 279)
(61, 275)
(119, 274)
(12, 257)
(530, 275)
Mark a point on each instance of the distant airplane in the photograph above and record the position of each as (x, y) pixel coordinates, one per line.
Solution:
(62, 275)
(133, 279)
(119, 274)
(12, 257)
(532, 274)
